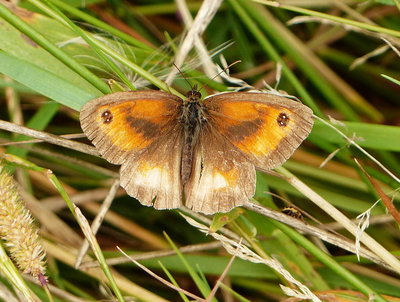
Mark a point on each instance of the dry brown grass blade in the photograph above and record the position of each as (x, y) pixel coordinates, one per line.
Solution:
(128, 226)
(30, 141)
(56, 203)
(203, 18)
(88, 202)
(240, 250)
(207, 63)
(98, 220)
(387, 201)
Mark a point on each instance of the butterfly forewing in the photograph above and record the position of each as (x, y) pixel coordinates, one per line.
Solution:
(266, 128)
(123, 123)
(140, 130)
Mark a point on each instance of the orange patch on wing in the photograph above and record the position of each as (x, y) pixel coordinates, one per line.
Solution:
(268, 135)
(134, 125)
(251, 126)
(224, 179)
(242, 111)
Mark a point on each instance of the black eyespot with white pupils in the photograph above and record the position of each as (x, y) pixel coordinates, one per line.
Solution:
(107, 117)
(283, 119)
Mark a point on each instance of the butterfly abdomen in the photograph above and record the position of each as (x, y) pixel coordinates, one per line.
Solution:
(192, 118)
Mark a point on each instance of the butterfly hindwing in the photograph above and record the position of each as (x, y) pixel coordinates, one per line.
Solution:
(153, 176)
(222, 178)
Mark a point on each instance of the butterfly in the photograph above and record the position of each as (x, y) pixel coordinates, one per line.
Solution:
(199, 153)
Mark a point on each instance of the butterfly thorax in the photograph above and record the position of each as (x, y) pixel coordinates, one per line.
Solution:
(192, 119)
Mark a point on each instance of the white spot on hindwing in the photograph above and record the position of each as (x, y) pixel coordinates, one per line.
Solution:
(219, 181)
(153, 178)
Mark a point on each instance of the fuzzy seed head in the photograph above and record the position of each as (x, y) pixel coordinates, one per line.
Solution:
(18, 230)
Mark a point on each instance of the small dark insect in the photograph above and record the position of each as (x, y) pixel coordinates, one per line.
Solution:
(293, 212)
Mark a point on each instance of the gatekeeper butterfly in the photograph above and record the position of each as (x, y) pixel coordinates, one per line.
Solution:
(200, 153)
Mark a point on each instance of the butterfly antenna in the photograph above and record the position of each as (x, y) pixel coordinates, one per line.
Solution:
(183, 76)
(226, 68)
(219, 73)
(222, 71)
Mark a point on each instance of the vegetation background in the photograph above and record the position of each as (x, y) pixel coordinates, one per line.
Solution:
(341, 58)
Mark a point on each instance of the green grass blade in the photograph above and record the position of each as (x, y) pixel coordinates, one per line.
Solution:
(202, 286)
(62, 18)
(303, 58)
(340, 20)
(173, 281)
(391, 79)
(44, 82)
(374, 136)
(271, 52)
(51, 48)
(96, 22)
(328, 261)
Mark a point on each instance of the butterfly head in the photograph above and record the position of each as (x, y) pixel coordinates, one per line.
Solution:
(193, 95)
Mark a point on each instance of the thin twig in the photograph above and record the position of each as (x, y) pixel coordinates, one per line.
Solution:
(167, 283)
(56, 203)
(30, 141)
(224, 273)
(152, 255)
(50, 138)
(98, 220)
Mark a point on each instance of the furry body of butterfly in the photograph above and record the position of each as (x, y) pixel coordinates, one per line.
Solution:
(199, 153)
(192, 119)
